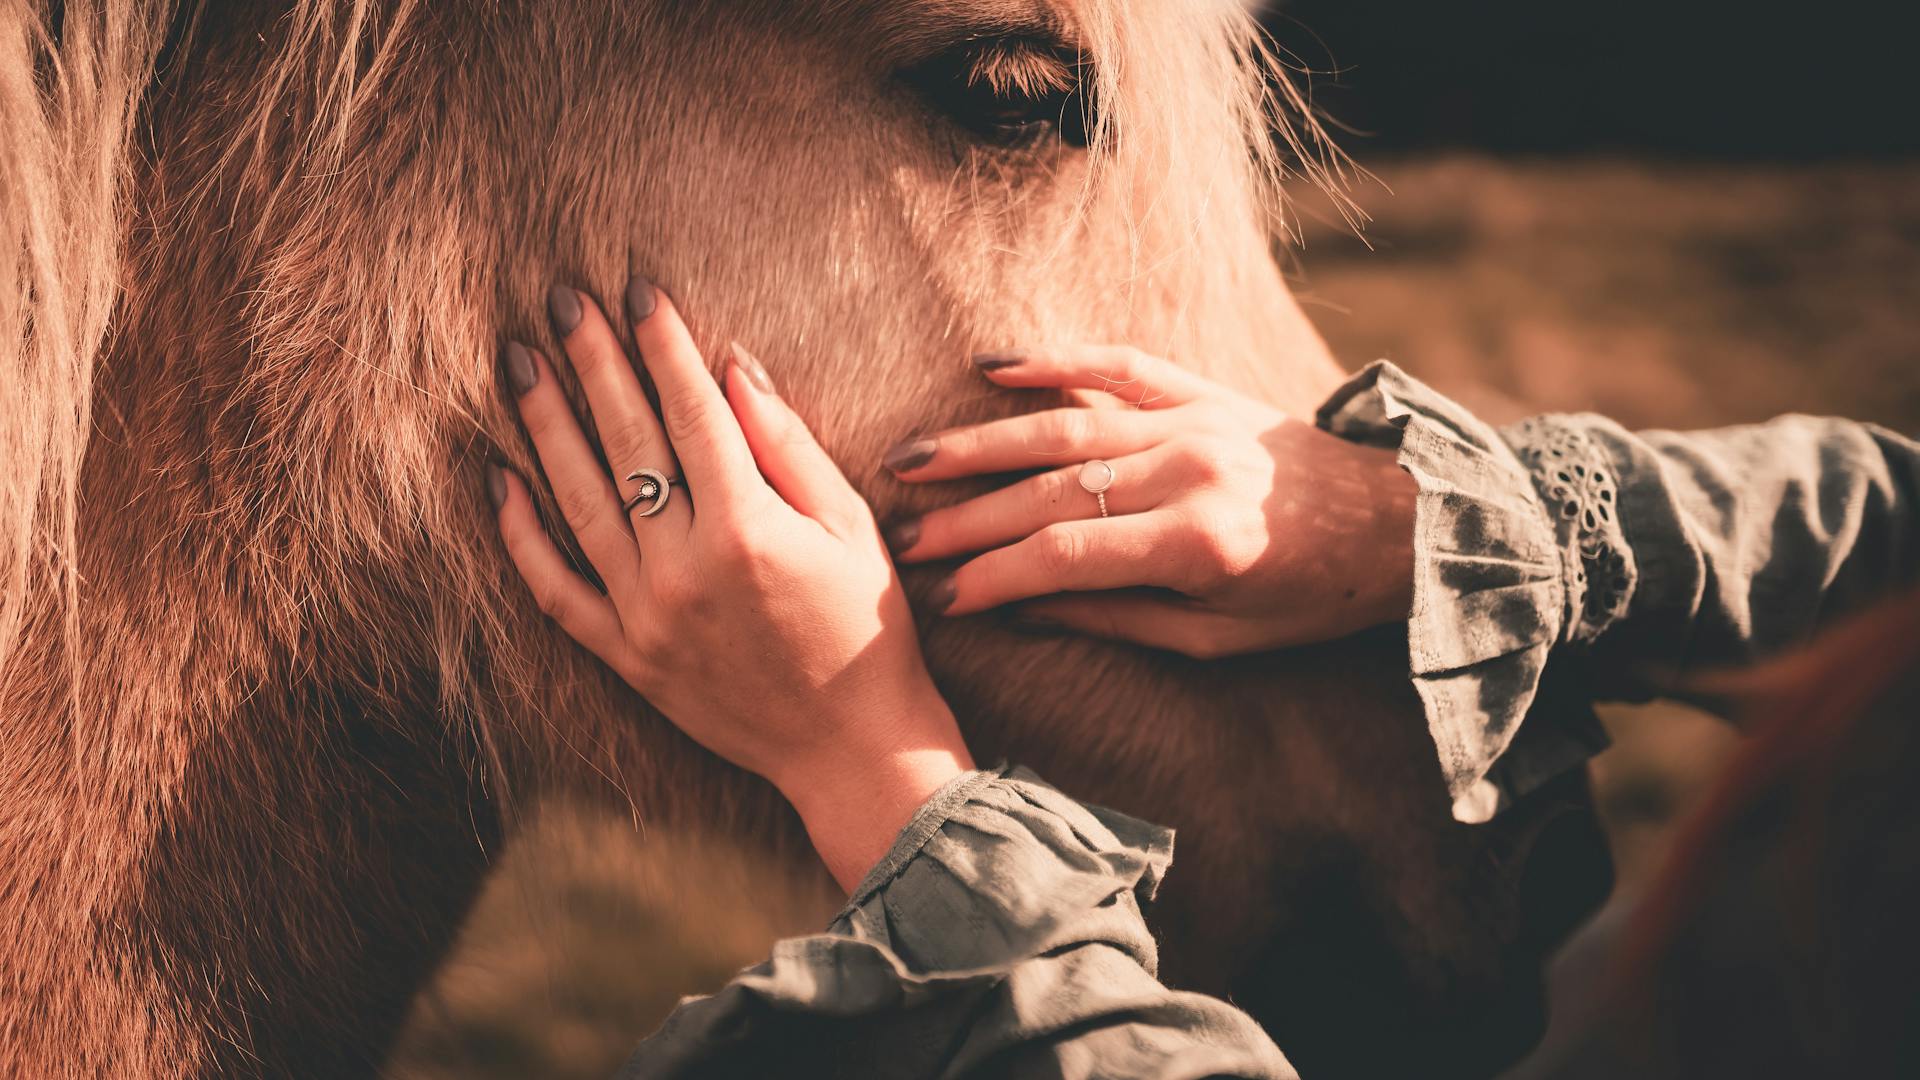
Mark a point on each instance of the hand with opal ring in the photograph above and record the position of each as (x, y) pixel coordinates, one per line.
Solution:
(758, 609)
(1234, 528)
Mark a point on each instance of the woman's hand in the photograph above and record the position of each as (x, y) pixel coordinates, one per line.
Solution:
(1234, 527)
(756, 608)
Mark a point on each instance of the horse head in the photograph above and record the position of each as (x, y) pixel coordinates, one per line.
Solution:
(277, 691)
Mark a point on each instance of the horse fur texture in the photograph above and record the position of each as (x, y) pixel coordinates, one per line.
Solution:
(269, 689)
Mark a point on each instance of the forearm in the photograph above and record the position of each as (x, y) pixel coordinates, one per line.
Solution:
(1000, 935)
(855, 803)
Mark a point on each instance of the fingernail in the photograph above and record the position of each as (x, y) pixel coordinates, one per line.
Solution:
(496, 484)
(521, 374)
(750, 367)
(909, 454)
(995, 361)
(640, 299)
(940, 597)
(902, 535)
(563, 305)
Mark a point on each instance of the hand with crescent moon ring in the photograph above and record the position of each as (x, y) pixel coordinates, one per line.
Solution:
(762, 614)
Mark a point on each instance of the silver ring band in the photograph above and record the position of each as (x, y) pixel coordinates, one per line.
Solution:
(654, 486)
(1096, 477)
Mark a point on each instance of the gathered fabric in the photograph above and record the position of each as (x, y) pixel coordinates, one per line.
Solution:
(1557, 562)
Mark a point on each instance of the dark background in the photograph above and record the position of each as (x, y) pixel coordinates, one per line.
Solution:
(1688, 79)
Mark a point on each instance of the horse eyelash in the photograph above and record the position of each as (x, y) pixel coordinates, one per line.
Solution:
(1023, 66)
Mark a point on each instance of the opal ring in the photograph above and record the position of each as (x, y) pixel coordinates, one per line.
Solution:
(1097, 476)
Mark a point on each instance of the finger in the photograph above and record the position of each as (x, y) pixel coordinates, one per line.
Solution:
(630, 434)
(706, 437)
(1140, 483)
(787, 453)
(1035, 440)
(1141, 619)
(1075, 556)
(579, 482)
(563, 595)
(1134, 377)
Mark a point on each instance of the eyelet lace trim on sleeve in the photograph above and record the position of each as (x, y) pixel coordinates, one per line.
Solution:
(1576, 481)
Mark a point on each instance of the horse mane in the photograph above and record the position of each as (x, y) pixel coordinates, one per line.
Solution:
(69, 99)
(76, 77)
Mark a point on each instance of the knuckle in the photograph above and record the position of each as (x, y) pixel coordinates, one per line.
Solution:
(626, 443)
(1212, 415)
(1063, 430)
(1218, 556)
(1057, 486)
(589, 355)
(580, 501)
(674, 593)
(960, 444)
(687, 413)
(543, 419)
(737, 550)
(1061, 551)
(1202, 459)
(650, 655)
(1133, 360)
(554, 603)
(1211, 569)
(794, 440)
(648, 673)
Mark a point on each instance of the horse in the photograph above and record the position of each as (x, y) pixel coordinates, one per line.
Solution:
(271, 693)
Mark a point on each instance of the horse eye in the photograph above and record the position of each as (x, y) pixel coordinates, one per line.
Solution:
(1008, 91)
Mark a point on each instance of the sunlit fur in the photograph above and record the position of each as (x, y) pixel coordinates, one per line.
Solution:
(270, 688)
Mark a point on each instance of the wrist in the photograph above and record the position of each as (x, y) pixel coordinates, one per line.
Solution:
(855, 796)
(1377, 568)
(1397, 509)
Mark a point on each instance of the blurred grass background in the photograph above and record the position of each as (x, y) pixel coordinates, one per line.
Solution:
(1663, 294)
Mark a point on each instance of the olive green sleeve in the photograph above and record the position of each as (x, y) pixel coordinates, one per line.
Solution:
(1000, 937)
(1565, 560)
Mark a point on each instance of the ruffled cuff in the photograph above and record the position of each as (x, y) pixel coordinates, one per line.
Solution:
(1489, 597)
(1014, 861)
(994, 870)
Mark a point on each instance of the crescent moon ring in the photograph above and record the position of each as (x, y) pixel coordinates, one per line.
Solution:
(653, 485)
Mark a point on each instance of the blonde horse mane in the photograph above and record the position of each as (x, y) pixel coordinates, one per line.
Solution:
(74, 78)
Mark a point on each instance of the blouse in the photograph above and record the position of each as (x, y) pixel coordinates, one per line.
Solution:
(1003, 934)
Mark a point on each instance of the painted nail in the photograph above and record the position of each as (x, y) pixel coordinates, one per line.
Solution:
(496, 484)
(640, 299)
(750, 367)
(909, 454)
(563, 304)
(997, 361)
(521, 372)
(902, 535)
(940, 597)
